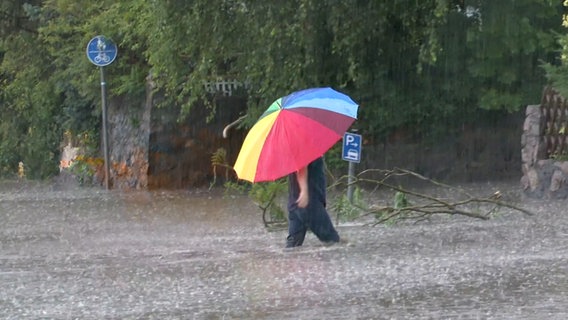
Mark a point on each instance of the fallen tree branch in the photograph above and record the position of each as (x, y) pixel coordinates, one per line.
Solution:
(417, 205)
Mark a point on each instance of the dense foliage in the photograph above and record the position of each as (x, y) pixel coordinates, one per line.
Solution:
(558, 72)
(425, 66)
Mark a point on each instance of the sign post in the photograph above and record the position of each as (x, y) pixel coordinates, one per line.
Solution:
(352, 153)
(102, 52)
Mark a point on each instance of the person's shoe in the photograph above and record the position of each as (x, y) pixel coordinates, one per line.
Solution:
(292, 242)
(342, 241)
(331, 243)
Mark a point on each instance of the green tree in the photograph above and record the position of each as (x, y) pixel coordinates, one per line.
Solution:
(488, 60)
(426, 66)
(557, 71)
(29, 130)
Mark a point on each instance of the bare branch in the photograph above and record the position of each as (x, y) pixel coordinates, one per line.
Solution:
(421, 205)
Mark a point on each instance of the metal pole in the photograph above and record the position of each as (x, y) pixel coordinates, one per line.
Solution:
(350, 181)
(105, 135)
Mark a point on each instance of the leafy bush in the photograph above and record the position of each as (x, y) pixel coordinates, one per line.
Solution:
(347, 210)
(84, 168)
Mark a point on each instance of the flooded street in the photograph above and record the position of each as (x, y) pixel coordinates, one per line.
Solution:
(92, 254)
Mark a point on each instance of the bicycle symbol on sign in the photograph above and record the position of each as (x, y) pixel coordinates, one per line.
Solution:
(100, 51)
(102, 57)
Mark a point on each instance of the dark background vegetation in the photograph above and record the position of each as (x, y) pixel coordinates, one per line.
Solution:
(425, 68)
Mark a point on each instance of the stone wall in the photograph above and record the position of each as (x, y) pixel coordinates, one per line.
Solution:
(151, 148)
(543, 175)
(128, 129)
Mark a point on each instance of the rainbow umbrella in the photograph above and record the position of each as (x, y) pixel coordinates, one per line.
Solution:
(294, 131)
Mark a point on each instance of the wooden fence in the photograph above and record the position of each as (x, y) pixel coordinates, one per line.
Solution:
(225, 87)
(554, 110)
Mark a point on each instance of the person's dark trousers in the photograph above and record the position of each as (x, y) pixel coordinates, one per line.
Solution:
(297, 227)
(314, 218)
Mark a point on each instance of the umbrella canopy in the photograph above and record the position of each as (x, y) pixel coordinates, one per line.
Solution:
(294, 131)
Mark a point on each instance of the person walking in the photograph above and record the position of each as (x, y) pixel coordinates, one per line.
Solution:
(307, 206)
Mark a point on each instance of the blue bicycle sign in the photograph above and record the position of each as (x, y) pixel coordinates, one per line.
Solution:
(101, 51)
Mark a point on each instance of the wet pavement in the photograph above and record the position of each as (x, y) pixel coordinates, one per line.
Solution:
(83, 253)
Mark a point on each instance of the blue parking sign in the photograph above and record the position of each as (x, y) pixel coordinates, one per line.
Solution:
(352, 147)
